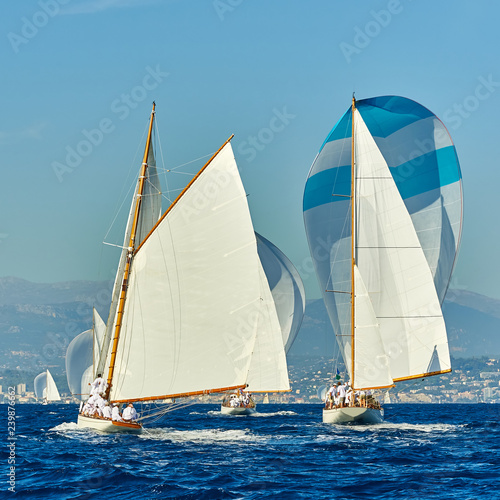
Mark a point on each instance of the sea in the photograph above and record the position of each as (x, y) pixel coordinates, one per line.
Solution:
(421, 451)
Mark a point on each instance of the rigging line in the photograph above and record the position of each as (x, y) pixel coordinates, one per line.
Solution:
(182, 173)
(192, 161)
(117, 213)
(157, 135)
(113, 245)
(125, 197)
(158, 413)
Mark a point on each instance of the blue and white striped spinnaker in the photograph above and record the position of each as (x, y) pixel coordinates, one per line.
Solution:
(409, 194)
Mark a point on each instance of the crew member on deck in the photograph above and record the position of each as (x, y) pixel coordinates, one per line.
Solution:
(129, 413)
(98, 385)
(106, 411)
(115, 414)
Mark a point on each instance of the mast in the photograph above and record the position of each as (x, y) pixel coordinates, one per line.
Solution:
(353, 256)
(131, 246)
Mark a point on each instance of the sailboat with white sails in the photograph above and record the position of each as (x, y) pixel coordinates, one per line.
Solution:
(82, 355)
(383, 203)
(46, 388)
(187, 300)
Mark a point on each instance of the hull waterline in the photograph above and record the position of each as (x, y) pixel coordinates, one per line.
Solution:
(353, 415)
(227, 410)
(104, 425)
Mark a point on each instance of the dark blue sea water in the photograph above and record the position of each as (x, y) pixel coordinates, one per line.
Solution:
(284, 452)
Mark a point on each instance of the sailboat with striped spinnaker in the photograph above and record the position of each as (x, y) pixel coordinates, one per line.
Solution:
(383, 217)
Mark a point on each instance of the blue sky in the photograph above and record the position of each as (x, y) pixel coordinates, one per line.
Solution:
(278, 74)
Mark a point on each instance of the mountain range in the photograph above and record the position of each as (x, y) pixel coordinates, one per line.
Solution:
(37, 322)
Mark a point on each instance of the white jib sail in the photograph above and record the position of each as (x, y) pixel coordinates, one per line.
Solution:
(394, 269)
(268, 369)
(52, 392)
(189, 322)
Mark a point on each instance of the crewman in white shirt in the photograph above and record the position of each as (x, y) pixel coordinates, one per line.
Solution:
(115, 414)
(129, 413)
(106, 411)
(341, 394)
(97, 384)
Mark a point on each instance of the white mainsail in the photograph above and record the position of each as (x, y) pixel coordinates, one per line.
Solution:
(52, 392)
(395, 272)
(189, 322)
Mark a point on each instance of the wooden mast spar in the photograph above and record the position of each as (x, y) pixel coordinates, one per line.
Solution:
(131, 246)
(353, 255)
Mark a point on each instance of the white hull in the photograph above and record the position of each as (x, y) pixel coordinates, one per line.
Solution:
(105, 425)
(239, 410)
(354, 414)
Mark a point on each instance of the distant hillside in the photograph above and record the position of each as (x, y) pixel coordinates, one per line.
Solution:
(472, 320)
(37, 322)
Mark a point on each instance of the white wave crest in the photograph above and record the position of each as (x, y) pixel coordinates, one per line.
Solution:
(200, 436)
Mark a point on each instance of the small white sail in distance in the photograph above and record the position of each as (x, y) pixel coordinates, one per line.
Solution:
(45, 387)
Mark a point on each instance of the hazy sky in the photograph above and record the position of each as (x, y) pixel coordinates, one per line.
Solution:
(78, 79)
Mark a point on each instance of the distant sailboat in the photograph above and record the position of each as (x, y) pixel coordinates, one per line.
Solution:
(283, 298)
(82, 355)
(383, 217)
(45, 388)
(187, 301)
